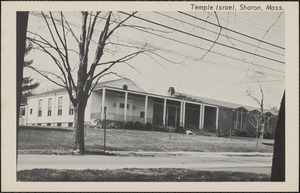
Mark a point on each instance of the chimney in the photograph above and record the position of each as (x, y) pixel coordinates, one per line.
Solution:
(171, 91)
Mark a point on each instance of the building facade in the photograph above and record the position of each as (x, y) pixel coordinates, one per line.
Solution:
(124, 101)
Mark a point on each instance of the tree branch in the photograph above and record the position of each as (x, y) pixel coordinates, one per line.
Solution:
(120, 60)
(51, 80)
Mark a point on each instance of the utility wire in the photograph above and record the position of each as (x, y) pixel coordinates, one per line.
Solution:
(216, 33)
(232, 30)
(193, 35)
(181, 42)
(197, 47)
(223, 83)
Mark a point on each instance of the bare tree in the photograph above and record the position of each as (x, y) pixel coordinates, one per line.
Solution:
(257, 117)
(58, 49)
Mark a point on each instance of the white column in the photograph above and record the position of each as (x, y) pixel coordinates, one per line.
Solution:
(125, 105)
(165, 109)
(242, 120)
(200, 117)
(217, 118)
(203, 116)
(181, 110)
(183, 116)
(146, 108)
(26, 115)
(103, 104)
(237, 114)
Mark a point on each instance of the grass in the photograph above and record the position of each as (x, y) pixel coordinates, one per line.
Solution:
(139, 175)
(32, 140)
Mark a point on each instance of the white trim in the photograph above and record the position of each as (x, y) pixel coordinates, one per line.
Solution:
(184, 109)
(181, 113)
(164, 113)
(103, 104)
(146, 108)
(157, 96)
(217, 118)
(125, 105)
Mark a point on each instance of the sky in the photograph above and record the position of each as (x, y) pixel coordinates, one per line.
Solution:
(189, 51)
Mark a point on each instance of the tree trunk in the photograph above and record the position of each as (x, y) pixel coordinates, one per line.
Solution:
(22, 20)
(278, 166)
(79, 128)
(256, 136)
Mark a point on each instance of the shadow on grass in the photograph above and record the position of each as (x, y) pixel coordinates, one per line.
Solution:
(43, 128)
(270, 144)
(99, 153)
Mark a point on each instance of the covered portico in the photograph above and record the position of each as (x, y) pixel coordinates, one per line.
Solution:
(159, 110)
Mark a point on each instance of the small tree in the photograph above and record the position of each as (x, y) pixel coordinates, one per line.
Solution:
(257, 117)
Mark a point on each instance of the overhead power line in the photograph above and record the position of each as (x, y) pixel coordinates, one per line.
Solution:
(217, 53)
(221, 83)
(217, 33)
(193, 35)
(232, 30)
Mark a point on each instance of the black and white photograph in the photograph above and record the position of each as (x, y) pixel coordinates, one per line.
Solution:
(137, 96)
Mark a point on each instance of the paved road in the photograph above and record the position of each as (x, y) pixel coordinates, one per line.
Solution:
(245, 162)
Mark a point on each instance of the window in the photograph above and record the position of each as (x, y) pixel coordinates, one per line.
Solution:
(71, 108)
(59, 109)
(40, 108)
(39, 124)
(58, 124)
(70, 124)
(49, 107)
(48, 124)
(30, 111)
(142, 114)
(121, 105)
(22, 112)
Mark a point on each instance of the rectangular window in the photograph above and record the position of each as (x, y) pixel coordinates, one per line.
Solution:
(30, 111)
(49, 107)
(59, 109)
(48, 124)
(121, 105)
(142, 114)
(22, 112)
(70, 124)
(71, 108)
(39, 124)
(58, 124)
(40, 108)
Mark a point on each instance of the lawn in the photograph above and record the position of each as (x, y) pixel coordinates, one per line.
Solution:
(138, 175)
(40, 140)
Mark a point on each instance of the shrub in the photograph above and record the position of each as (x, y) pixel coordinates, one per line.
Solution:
(160, 128)
(138, 126)
(148, 126)
(180, 129)
(210, 129)
(241, 133)
(267, 135)
(89, 124)
(122, 125)
(129, 125)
